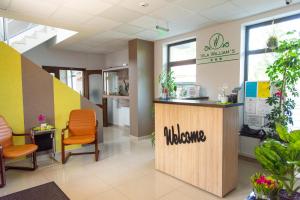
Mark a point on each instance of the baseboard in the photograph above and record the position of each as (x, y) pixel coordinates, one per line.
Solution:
(135, 138)
(247, 158)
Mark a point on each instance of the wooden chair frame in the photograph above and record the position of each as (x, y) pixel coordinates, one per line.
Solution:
(3, 168)
(64, 157)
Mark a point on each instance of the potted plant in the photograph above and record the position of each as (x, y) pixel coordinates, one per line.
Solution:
(42, 121)
(265, 187)
(284, 74)
(272, 42)
(168, 84)
(282, 160)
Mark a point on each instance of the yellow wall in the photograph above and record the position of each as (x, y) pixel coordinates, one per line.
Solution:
(65, 100)
(11, 94)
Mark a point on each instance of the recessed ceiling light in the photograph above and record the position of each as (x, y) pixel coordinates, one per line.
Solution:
(144, 4)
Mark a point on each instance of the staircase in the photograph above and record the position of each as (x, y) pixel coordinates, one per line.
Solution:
(24, 36)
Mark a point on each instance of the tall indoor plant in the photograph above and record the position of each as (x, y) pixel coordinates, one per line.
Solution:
(282, 160)
(284, 74)
(167, 82)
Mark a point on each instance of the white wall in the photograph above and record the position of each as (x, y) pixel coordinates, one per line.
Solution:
(43, 55)
(117, 115)
(213, 76)
(117, 58)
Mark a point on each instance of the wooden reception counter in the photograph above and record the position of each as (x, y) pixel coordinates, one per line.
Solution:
(197, 142)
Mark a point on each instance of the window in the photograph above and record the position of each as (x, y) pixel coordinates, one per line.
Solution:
(182, 61)
(72, 77)
(258, 56)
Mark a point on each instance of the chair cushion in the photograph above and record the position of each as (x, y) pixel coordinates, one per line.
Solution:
(81, 139)
(15, 151)
(82, 122)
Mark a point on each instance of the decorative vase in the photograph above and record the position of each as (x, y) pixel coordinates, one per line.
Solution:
(43, 126)
(257, 196)
(224, 99)
(260, 196)
(165, 93)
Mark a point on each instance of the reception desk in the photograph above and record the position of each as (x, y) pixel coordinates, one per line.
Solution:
(197, 142)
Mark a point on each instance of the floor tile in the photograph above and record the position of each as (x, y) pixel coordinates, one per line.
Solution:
(109, 195)
(125, 171)
(152, 186)
(84, 188)
(175, 195)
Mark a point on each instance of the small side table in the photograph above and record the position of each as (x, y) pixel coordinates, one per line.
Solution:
(45, 139)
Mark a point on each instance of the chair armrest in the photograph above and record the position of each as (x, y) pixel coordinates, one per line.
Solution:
(1, 154)
(26, 135)
(64, 130)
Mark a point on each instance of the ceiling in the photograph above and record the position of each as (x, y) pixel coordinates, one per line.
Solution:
(105, 26)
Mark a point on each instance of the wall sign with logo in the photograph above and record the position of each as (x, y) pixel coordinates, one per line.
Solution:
(185, 137)
(218, 49)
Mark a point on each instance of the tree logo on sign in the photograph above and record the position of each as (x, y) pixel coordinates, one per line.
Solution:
(216, 41)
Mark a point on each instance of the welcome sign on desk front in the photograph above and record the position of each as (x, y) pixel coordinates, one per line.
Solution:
(183, 137)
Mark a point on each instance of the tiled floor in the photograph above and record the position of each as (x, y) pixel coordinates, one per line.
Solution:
(125, 171)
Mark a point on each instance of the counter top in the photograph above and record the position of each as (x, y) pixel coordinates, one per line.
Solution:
(204, 103)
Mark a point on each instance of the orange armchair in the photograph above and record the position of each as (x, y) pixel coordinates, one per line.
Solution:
(82, 129)
(10, 151)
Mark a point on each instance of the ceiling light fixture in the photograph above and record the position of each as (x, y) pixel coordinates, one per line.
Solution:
(144, 4)
(160, 28)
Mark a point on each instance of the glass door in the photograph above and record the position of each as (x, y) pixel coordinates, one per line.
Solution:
(94, 88)
(94, 91)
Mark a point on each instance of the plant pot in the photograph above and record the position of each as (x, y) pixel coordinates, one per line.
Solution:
(283, 195)
(254, 196)
(261, 197)
(165, 93)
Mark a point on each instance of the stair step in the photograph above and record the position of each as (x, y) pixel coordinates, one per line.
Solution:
(18, 42)
(31, 36)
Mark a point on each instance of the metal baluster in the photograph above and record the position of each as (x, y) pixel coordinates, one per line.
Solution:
(5, 38)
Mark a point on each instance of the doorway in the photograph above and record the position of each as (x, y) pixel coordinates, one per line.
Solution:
(94, 91)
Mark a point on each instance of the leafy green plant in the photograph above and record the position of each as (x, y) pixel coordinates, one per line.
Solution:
(281, 158)
(284, 74)
(167, 82)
